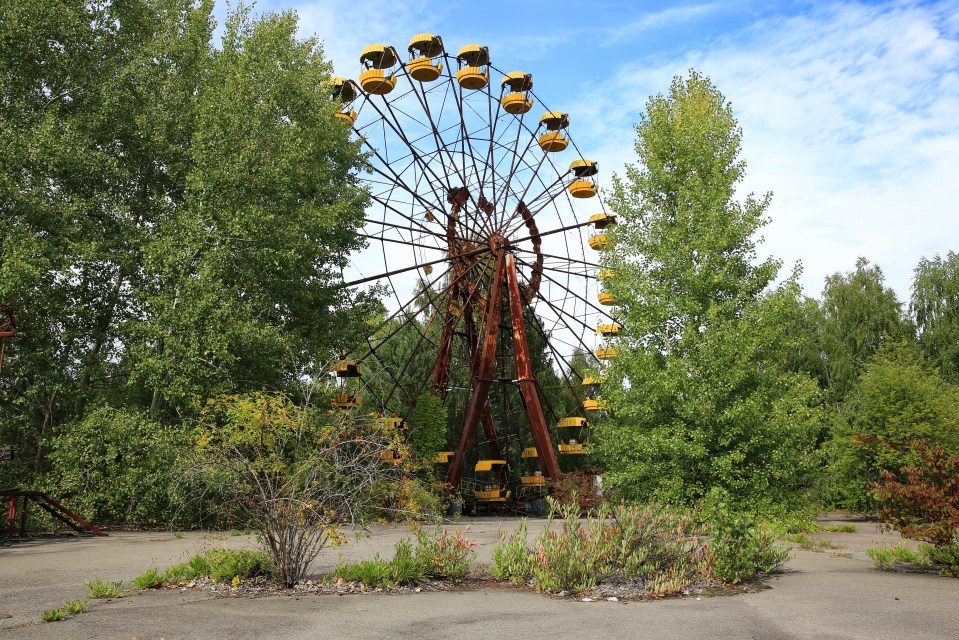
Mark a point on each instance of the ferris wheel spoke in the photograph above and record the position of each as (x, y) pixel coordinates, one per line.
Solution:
(579, 297)
(563, 258)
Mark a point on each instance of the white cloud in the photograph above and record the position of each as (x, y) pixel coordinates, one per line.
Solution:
(660, 19)
(849, 115)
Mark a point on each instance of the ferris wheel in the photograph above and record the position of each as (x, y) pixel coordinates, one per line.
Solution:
(484, 231)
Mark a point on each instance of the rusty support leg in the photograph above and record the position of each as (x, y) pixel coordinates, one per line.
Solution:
(12, 516)
(484, 377)
(524, 375)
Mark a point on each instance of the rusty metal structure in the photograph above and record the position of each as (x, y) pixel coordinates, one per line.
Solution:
(8, 329)
(483, 212)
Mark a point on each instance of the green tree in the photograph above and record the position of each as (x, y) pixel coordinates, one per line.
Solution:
(700, 395)
(174, 214)
(935, 310)
(897, 400)
(860, 313)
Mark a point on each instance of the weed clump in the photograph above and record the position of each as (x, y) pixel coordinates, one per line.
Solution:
(102, 589)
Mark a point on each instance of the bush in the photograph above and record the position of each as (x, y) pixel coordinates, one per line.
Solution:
(945, 557)
(438, 555)
(512, 557)
(118, 465)
(102, 589)
(922, 503)
(740, 547)
(216, 564)
(839, 528)
(651, 544)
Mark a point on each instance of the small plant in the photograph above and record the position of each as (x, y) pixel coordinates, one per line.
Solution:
(53, 615)
(375, 573)
(225, 564)
(883, 558)
(102, 589)
(178, 535)
(76, 607)
(816, 545)
(944, 557)
(840, 528)
(739, 546)
(512, 558)
(149, 579)
(442, 554)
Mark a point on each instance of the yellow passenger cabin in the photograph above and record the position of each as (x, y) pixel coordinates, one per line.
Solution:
(592, 381)
(346, 117)
(529, 452)
(583, 168)
(377, 59)
(342, 89)
(519, 84)
(393, 423)
(599, 241)
(595, 405)
(605, 274)
(424, 48)
(572, 422)
(606, 299)
(573, 448)
(345, 401)
(607, 353)
(346, 369)
(555, 123)
(602, 220)
(583, 189)
(609, 330)
(473, 60)
(443, 457)
(492, 491)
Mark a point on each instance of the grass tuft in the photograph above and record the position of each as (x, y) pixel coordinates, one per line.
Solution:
(102, 589)
(53, 615)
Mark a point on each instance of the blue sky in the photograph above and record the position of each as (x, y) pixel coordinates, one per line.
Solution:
(849, 110)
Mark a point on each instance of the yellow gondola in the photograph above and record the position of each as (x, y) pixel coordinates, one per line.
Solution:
(346, 117)
(606, 299)
(443, 457)
(599, 241)
(529, 452)
(536, 480)
(607, 353)
(583, 189)
(474, 67)
(574, 448)
(392, 457)
(346, 369)
(595, 405)
(345, 401)
(604, 274)
(572, 422)
(583, 168)
(602, 220)
(393, 423)
(517, 101)
(593, 380)
(378, 58)
(608, 330)
(553, 140)
(423, 49)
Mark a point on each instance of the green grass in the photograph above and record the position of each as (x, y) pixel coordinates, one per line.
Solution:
(75, 607)
(102, 589)
(149, 579)
(53, 615)
(219, 564)
(816, 545)
(178, 535)
(883, 558)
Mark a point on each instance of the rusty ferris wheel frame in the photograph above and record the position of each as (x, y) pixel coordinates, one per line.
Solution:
(461, 181)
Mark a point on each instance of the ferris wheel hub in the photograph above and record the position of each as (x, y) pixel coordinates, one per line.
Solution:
(498, 242)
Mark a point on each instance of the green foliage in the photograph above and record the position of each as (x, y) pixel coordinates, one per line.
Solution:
(884, 558)
(739, 546)
(53, 615)
(839, 528)
(427, 426)
(226, 564)
(709, 400)
(438, 555)
(149, 579)
(76, 607)
(816, 545)
(512, 558)
(860, 314)
(935, 309)
(175, 215)
(118, 465)
(896, 401)
(102, 589)
(945, 557)
(193, 568)
(294, 473)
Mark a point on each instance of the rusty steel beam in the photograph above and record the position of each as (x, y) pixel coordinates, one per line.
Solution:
(524, 374)
(484, 377)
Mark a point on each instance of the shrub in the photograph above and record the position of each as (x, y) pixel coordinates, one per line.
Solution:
(226, 564)
(738, 545)
(437, 555)
(512, 557)
(922, 503)
(839, 528)
(945, 557)
(118, 465)
(102, 589)
(294, 474)
(149, 579)
(53, 615)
